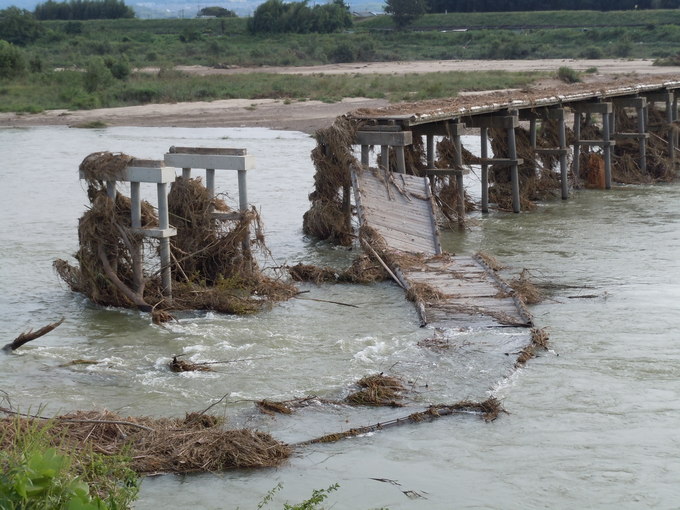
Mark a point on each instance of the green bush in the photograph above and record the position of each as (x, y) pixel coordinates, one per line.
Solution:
(12, 60)
(97, 75)
(35, 475)
(568, 75)
(18, 26)
(591, 52)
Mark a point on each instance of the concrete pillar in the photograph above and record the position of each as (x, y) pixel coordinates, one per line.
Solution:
(135, 205)
(514, 170)
(365, 150)
(186, 173)
(460, 202)
(430, 151)
(562, 133)
(532, 139)
(401, 159)
(606, 137)
(111, 189)
(385, 156)
(577, 146)
(164, 223)
(669, 119)
(210, 181)
(642, 129)
(484, 135)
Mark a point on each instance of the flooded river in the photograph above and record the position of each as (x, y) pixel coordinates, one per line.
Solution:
(592, 423)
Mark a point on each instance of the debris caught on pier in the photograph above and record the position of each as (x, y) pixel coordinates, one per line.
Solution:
(329, 217)
(30, 335)
(213, 264)
(527, 292)
(539, 340)
(195, 444)
(362, 270)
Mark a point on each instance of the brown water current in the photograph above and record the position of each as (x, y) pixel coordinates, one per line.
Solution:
(594, 422)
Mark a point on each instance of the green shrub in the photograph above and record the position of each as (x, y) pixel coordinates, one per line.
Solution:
(97, 75)
(591, 52)
(568, 75)
(12, 60)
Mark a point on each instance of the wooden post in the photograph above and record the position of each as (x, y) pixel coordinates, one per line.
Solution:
(514, 170)
(484, 135)
(577, 146)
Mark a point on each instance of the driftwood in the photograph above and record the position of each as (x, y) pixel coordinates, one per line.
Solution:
(29, 335)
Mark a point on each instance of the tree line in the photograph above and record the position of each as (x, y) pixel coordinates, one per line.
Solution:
(83, 10)
(546, 5)
(275, 16)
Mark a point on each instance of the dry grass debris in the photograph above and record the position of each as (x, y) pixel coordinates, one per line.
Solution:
(525, 290)
(196, 443)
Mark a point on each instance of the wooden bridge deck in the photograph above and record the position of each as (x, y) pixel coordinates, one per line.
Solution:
(468, 293)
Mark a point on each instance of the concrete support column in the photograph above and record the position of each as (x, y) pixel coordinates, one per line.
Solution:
(186, 173)
(514, 170)
(210, 181)
(460, 202)
(576, 163)
(385, 156)
(111, 189)
(670, 102)
(164, 223)
(606, 137)
(135, 205)
(430, 150)
(484, 135)
(401, 159)
(642, 130)
(365, 150)
(562, 133)
(532, 139)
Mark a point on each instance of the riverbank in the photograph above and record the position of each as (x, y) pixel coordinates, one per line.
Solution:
(308, 116)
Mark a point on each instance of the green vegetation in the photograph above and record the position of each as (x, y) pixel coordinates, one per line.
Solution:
(34, 474)
(95, 88)
(531, 5)
(274, 16)
(218, 12)
(129, 61)
(83, 9)
(568, 75)
(405, 12)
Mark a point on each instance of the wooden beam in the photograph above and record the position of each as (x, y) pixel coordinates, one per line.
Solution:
(493, 121)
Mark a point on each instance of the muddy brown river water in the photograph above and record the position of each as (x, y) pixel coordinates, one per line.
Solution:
(593, 423)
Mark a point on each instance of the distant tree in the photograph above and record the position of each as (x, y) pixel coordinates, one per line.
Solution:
(83, 9)
(18, 26)
(12, 61)
(218, 12)
(405, 12)
(274, 16)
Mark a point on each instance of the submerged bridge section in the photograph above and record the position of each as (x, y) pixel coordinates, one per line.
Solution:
(450, 292)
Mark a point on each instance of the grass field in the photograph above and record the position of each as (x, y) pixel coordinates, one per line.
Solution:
(84, 50)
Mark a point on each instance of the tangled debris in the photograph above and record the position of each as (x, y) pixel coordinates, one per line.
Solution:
(527, 292)
(196, 443)
(489, 411)
(377, 390)
(539, 340)
(362, 270)
(212, 261)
